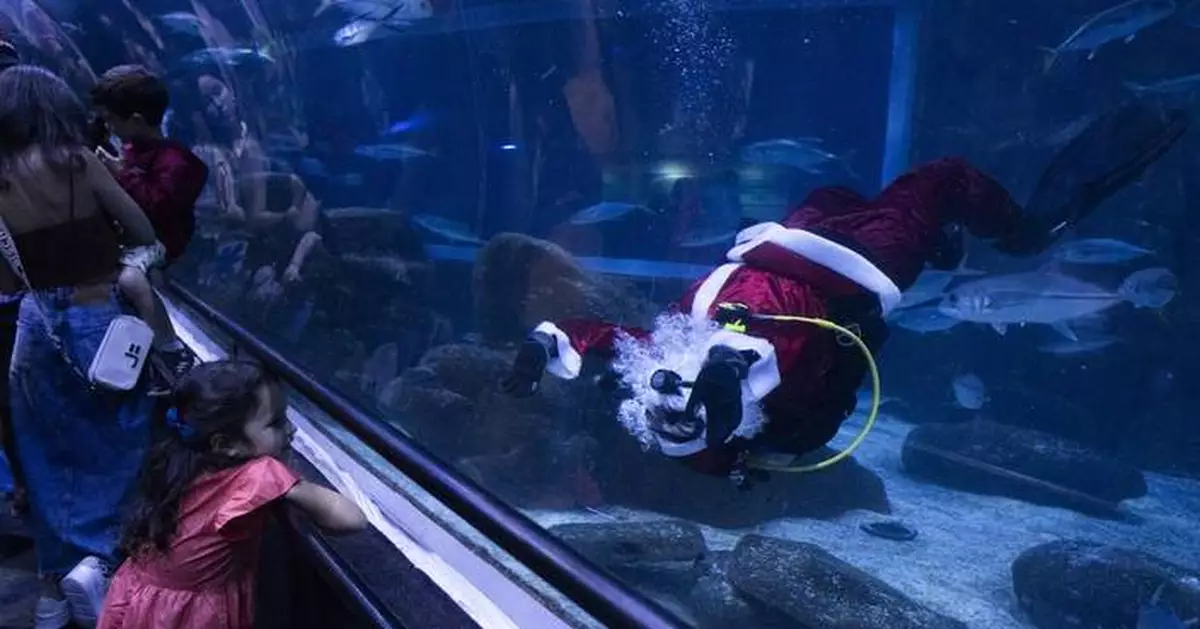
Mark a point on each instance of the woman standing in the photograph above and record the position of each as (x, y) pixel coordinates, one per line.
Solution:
(10, 305)
(80, 449)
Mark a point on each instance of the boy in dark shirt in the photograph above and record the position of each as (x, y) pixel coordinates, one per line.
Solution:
(165, 178)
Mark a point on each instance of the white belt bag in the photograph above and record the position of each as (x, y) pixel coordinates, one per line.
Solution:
(119, 361)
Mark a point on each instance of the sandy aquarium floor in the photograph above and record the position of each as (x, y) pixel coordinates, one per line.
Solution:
(959, 563)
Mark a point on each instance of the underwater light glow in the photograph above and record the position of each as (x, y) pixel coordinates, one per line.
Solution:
(671, 172)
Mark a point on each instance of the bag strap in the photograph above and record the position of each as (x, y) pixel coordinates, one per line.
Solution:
(8, 248)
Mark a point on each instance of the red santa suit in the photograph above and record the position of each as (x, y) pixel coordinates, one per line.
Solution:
(838, 256)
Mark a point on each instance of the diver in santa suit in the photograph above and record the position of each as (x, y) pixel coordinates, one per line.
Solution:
(709, 395)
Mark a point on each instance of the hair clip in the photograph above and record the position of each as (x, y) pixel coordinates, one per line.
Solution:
(181, 427)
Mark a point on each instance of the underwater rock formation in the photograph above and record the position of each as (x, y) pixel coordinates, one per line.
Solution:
(820, 591)
(648, 480)
(660, 558)
(717, 604)
(996, 459)
(1068, 584)
(526, 451)
(564, 448)
(620, 543)
(520, 281)
(764, 582)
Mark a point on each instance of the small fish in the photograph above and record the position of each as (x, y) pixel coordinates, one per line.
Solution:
(182, 22)
(355, 33)
(1053, 299)
(446, 228)
(227, 56)
(1150, 288)
(801, 153)
(391, 151)
(605, 211)
(1123, 21)
(1099, 251)
(969, 392)
(1066, 347)
(923, 320)
(1177, 85)
(413, 123)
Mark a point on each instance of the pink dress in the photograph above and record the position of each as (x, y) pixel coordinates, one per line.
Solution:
(206, 579)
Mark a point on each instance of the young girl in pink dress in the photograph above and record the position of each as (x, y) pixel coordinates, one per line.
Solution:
(206, 492)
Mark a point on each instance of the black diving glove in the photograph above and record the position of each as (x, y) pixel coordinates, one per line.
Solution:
(718, 388)
(530, 364)
(745, 477)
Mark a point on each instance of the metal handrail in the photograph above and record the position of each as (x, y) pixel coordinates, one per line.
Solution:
(600, 595)
(340, 576)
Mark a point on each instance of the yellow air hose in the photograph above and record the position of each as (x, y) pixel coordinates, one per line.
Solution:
(876, 390)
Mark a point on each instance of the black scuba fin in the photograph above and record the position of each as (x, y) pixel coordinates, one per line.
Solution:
(1112, 152)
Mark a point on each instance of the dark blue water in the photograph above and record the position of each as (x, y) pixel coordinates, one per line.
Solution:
(473, 169)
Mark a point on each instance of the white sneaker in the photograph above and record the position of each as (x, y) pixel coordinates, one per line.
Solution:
(85, 587)
(51, 614)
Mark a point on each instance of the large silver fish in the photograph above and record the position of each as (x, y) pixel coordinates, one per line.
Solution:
(1123, 21)
(1099, 251)
(183, 22)
(931, 285)
(393, 151)
(227, 57)
(1051, 298)
(801, 153)
(606, 211)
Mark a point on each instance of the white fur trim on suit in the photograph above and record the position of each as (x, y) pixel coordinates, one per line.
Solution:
(709, 288)
(568, 363)
(831, 255)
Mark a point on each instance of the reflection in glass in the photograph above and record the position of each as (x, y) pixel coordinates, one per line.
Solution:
(401, 191)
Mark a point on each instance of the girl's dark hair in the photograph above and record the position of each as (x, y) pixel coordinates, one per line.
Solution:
(214, 400)
(39, 112)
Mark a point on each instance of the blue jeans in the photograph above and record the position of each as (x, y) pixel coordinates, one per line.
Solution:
(81, 450)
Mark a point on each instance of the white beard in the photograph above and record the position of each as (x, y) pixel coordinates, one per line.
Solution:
(678, 343)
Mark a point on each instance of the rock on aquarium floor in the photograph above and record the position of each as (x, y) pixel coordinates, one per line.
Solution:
(1075, 570)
